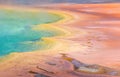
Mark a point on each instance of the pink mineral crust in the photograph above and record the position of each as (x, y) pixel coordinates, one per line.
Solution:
(101, 22)
(94, 39)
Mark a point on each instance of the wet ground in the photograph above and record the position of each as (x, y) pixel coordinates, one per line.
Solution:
(91, 49)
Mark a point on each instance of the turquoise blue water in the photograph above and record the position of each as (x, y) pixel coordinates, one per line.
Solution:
(16, 30)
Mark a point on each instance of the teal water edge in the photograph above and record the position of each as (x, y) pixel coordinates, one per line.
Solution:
(16, 30)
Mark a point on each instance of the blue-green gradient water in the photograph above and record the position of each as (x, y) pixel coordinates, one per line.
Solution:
(16, 30)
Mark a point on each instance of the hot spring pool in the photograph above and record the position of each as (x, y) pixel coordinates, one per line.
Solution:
(16, 30)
